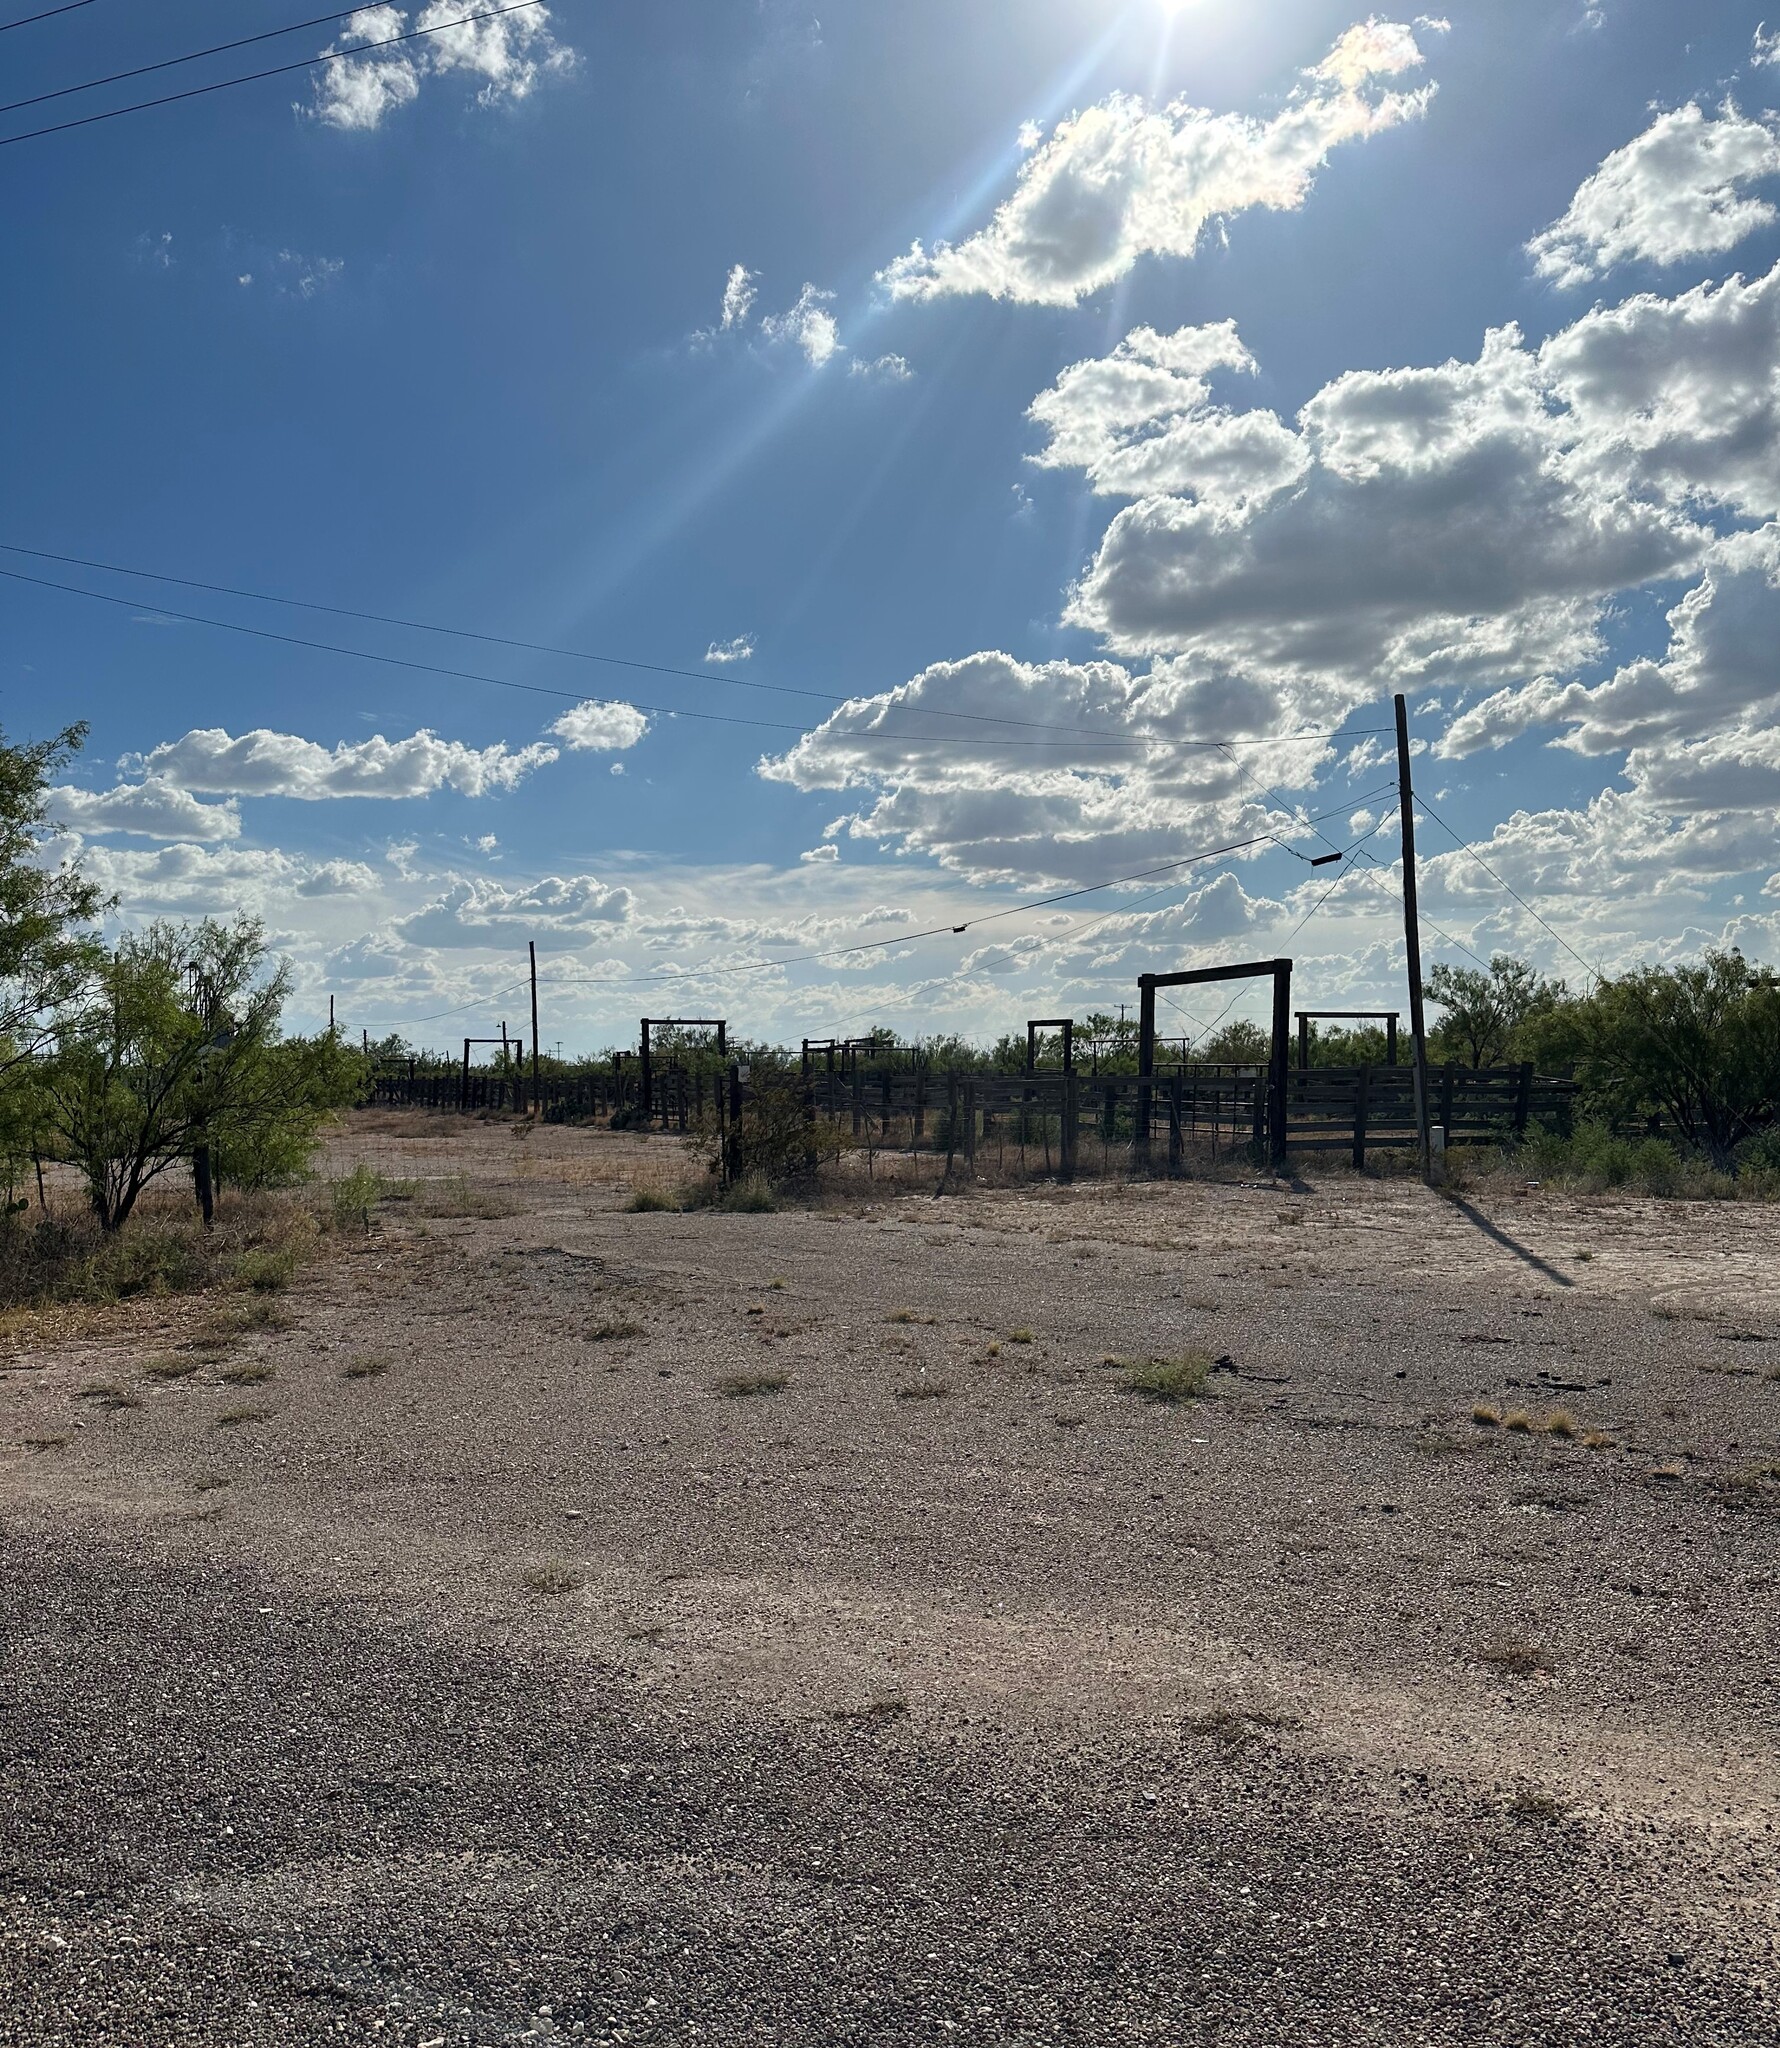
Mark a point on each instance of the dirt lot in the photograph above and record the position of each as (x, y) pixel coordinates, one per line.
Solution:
(514, 1660)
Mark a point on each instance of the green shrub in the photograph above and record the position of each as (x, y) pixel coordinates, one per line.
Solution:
(1170, 1379)
(353, 1198)
(266, 1268)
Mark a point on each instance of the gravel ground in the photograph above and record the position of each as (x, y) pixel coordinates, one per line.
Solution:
(525, 1664)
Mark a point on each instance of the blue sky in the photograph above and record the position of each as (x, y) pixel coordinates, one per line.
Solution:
(1113, 376)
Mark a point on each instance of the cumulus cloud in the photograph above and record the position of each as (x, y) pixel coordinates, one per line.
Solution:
(483, 913)
(1140, 420)
(809, 324)
(1006, 809)
(886, 369)
(1765, 49)
(263, 763)
(597, 726)
(155, 809)
(1121, 179)
(1469, 520)
(508, 54)
(738, 296)
(1679, 190)
(741, 648)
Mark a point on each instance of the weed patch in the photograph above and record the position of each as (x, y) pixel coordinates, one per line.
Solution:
(233, 1418)
(369, 1365)
(553, 1580)
(246, 1372)
(1170, 1380)
(646, 1202)
(737, 1386)
(169, 1366)
(109, 1396)
(1515, 1658)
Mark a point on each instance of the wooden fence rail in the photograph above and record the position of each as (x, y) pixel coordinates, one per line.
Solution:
(1056, 1123)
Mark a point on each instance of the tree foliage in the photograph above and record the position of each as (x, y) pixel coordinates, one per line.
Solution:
(46, 948)
(1697, 1045)
(1487, 1014)
(174, 1049)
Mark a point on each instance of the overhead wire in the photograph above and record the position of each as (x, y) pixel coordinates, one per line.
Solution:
(25, 20)
(195, 92)
(613, 660)
(268, 35)
(904, 938)
(1089, 738)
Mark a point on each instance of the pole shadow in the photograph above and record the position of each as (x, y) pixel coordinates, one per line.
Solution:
(1499, 1236)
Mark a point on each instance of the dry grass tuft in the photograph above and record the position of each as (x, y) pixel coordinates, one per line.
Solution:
(232, 1418)
(555, 1580)
(1560, 1422)
(777, 1285)
(875, 1713)
(1519, 1420)
(1019, 1336)
(908, 1315)
(737, 1386)
(1516, 1658)
(923, 1389)
(368, 1365)
(616, 1330)
(1170, 1380)
(169, 1366)
(1485, 1416)
(250, 1372)
(107, 1395)
(646, 1202)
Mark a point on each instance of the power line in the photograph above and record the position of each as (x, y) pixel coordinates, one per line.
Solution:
(195, 92)
(62, 92)
(1465, 846)
(954, 930)
(25, 20)
(575, 696)
(901, 938)
(622, 661)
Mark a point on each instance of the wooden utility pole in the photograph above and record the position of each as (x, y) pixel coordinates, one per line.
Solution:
(1412, 940)
(531, 946)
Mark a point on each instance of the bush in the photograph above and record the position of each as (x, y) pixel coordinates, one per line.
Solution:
(353, 1198)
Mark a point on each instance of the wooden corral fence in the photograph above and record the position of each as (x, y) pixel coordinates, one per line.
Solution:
(1050, 1123)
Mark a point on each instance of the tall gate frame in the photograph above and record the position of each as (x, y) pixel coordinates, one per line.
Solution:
(645, 1059)
(1248, 970)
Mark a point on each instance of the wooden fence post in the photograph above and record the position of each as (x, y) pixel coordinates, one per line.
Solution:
(1174, 1131)
(970, 1124)
(1067, 1136)
(1362, 1091)
(1523, 1098)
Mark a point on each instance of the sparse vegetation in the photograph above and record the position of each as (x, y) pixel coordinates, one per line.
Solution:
(1560, 1422)
(233, 1418)
(1516, 1658)
(1019, 1336)
(923, 1389)
(553, 1580)
(738, 1386)
(1485, 1416)
(169, 1366)
(368, 1365)
(353, 1199)
(615, 1329)
(1170, 1380)
(108, 1395)
(648, 1202)
(1519, 1420)
(245, 1372)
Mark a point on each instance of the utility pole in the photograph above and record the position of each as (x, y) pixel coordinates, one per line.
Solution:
(330, 1016)
(1412, 941)
(531, 946)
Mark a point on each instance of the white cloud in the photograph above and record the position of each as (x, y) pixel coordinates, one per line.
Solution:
(483, 913)
(741, 648)
(1140, 420)
(263, 763)
(886, 369)
(1677, 191)
(1766, 47)
(1121, 180)
(510, 54)
(828, 852)
(598, 726)
(809, 324)
(738, 295)
(155, 809)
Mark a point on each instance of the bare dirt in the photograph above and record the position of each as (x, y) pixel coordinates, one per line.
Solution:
(605, 1626)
